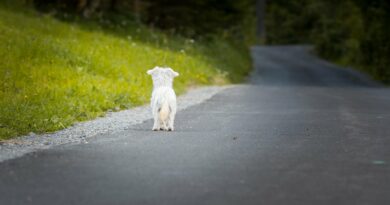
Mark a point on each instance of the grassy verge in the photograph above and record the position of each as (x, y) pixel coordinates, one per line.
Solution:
(54, 73)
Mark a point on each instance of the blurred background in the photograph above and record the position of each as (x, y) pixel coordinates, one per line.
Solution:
(350, 32)
(195, 19)
(353, 33)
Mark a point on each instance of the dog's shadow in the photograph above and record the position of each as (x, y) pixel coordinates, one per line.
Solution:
(146, 126)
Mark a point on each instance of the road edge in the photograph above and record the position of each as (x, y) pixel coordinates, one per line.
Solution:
(111, 122)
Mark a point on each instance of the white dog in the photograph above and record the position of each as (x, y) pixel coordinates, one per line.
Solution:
(163, 100)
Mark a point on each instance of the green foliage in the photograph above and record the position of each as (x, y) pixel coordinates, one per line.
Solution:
(351, 32)
(199, 17)
(287, 22)
(57, 72)
(229, 19)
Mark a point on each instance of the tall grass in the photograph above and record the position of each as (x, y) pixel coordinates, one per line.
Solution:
(54, 73)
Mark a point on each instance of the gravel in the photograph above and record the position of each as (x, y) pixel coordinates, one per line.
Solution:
(113, 121)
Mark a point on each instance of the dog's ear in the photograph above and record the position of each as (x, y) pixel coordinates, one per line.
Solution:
(150, 72)
(173, 73)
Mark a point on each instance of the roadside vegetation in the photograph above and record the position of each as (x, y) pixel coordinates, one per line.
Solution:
(58, 68)
(353, 33)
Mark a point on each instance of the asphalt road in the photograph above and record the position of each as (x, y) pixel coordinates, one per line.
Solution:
(302, 132)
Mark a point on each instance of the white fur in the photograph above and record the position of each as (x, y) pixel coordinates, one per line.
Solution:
(163, 100)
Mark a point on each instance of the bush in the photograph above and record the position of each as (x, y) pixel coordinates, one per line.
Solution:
(197, 18)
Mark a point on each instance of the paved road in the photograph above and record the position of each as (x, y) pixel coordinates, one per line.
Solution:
(303, 132)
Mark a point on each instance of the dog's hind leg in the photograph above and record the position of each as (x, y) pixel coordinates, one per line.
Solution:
(156, 125)
(171, 121)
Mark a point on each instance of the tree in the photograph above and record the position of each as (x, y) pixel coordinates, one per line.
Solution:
(260, 15)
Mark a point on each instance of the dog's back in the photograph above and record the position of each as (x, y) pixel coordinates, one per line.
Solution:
(164, 100)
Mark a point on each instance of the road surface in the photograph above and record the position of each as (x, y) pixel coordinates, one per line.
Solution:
(302, 131)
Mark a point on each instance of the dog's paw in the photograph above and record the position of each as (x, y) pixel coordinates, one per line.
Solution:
(155, 129)
(170, 129)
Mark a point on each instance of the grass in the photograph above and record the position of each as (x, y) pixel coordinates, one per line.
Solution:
(54, 73)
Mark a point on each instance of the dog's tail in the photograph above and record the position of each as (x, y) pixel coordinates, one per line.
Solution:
(164, 111)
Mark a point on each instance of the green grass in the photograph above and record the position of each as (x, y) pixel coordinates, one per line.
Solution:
(54, 73)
